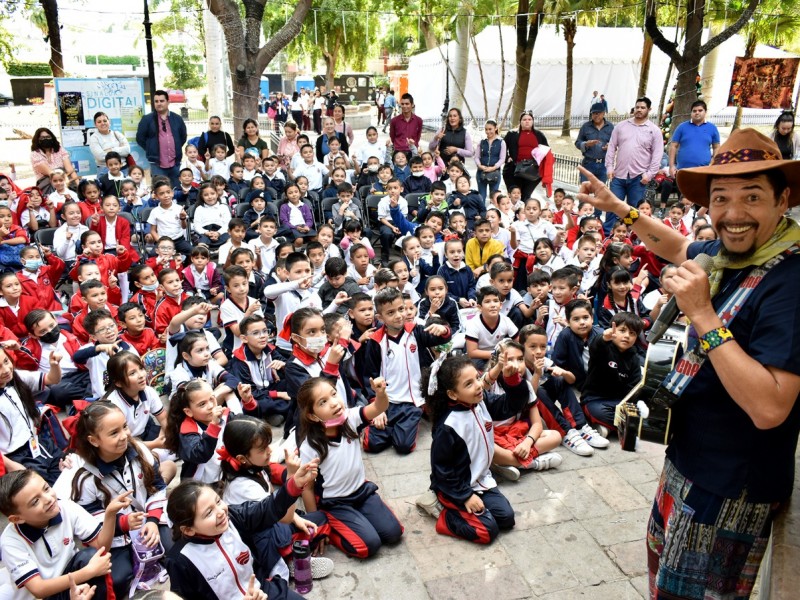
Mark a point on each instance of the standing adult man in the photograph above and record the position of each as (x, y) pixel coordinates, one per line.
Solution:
(380, 98)
(592, 141)
(406, 128)
(595, 99)
(389, 104)
(730, 462)
(694, 142)
(162, 134)
(633, 157)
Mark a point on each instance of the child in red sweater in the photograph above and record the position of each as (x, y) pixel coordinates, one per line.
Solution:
(94, 293)
(39, 279)
(170, 303)
(108, 264)
(144, 284)
(87, 271)
(14, 305)
(165, 256)
(134, 329)
(89, 193)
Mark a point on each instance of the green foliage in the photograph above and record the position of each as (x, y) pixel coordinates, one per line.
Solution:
(6, 46)
(101, 59)
(28, 69)
(185, 18)
(185, 74)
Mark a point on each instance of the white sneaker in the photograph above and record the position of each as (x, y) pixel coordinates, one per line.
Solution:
(321, 566)
(596, 439)
(430, 504)
(576, 443)
(506, 472)
(602, 430)
(548, 460)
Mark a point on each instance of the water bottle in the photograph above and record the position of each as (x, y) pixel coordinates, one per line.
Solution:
(302, 567)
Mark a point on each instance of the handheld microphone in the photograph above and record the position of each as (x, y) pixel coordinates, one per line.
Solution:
(671, 311)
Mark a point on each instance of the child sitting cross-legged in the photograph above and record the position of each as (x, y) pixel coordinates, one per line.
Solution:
(614, 369)
(572, 344)
(520, 440)
(486, 330)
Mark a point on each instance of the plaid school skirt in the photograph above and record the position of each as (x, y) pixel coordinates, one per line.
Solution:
(703, 546)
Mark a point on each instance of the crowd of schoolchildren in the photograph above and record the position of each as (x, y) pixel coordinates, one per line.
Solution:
(512, 324)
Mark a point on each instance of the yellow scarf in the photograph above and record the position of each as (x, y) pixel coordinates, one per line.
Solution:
(786, 235)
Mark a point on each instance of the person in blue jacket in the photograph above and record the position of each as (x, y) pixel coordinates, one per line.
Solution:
(162, 134)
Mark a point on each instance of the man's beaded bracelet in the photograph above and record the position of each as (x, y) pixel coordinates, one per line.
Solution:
(714, 338)
(631, 217)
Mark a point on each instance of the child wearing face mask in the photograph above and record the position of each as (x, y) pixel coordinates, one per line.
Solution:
(39, 279)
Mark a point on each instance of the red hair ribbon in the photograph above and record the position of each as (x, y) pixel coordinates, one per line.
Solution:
(231, 460)
(286, 329)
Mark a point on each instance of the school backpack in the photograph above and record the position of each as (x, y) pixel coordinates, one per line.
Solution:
(154, 362)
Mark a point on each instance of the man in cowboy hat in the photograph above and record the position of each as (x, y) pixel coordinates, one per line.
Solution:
(730, 462)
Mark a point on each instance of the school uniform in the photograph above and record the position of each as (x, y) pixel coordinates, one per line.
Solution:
(460, 281)
(115, 234)
(524, 258)
(97, 364)
(75, 383)
(197, 448)
(397, 360)
(107, 264)
(13, 316)
(553, 329)
(448, 311)
(255, 372)
(41, 283)
(175, 339)
(486, 336)
(147, 301)
(221, 567)
(77, 323)
(65, 248)
(214, 373)
(165, 309)
(200, 282)
(264, 251)
(288, 297)
(230, 313)
(567, 413)
(571, 353)
(142, 343)
(140, 412)
(462, 450)
(157, 267)
(19, 439)
(471, 204)
(611, 375)
(92, 486)
(169, 224)
(214, 217)
(30, 552)
(352, 273)
(359, 520)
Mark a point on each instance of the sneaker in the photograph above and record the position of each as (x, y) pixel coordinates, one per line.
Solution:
(506, 472)
(548, 460)
(430, 504)
(594, 438)
(577, 444)
(602, 430)
(321, 567)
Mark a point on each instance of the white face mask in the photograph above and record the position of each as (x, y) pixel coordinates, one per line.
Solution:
(315, 344)
(372, 168)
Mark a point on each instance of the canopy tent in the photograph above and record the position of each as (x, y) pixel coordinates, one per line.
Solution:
(604, 59)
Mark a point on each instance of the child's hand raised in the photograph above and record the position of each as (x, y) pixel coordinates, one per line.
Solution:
(438, 330)
(245, 393)
(216, 414)
(341, 298)
(538, 366)
(307, 473)
(610, 333)
(135, 520)
(346, 330)
(254, 593)
(118, 503)
(55, 359)
(378, 384)
(252, 309)
(336, 354)
(292, 462)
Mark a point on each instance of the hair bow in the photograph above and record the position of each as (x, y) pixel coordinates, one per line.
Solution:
(231, 460)
(433, 380)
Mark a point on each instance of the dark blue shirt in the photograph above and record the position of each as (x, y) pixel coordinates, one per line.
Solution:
(589, 132)
(715, 443)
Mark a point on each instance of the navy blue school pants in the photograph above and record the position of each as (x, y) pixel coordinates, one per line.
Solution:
(121, 573)
(568, 415)
(73, 386)
(478, 528)
(402, 427)
(600, 410)
(361, 523)
(44, 465)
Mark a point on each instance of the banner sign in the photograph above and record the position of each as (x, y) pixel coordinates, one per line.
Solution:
(763, 82)
(79, 99)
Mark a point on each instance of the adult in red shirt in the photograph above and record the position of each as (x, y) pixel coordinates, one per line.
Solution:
(405, 128)
(519, 146)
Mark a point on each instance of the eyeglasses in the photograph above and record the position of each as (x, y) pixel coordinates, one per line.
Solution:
(258, 334)
(106, 329)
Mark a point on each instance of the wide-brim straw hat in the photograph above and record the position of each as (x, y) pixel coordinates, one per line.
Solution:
(745, 152)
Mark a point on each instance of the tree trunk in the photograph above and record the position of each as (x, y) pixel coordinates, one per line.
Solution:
(749, 50)
(644, 72)
(428, 34)
(246, 57)
(50, 8)
(527, 29)
(215, 72)
(664, 91)
(570, 26)
(331, 59)
(461, 61)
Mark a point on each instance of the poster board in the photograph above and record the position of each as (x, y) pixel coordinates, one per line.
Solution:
(763, 82)
(77, 101)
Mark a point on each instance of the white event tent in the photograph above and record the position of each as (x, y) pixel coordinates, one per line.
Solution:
(604, 59)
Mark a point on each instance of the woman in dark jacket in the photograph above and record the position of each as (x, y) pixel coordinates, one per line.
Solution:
(453, 139)
(519, 144)
(329, 129)
(214, 136)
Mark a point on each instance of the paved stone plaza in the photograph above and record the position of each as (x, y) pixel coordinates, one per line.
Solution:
(579, 534)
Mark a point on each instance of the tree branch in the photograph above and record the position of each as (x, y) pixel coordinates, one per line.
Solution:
(728, 32)
(284, 35)
(663, 44)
